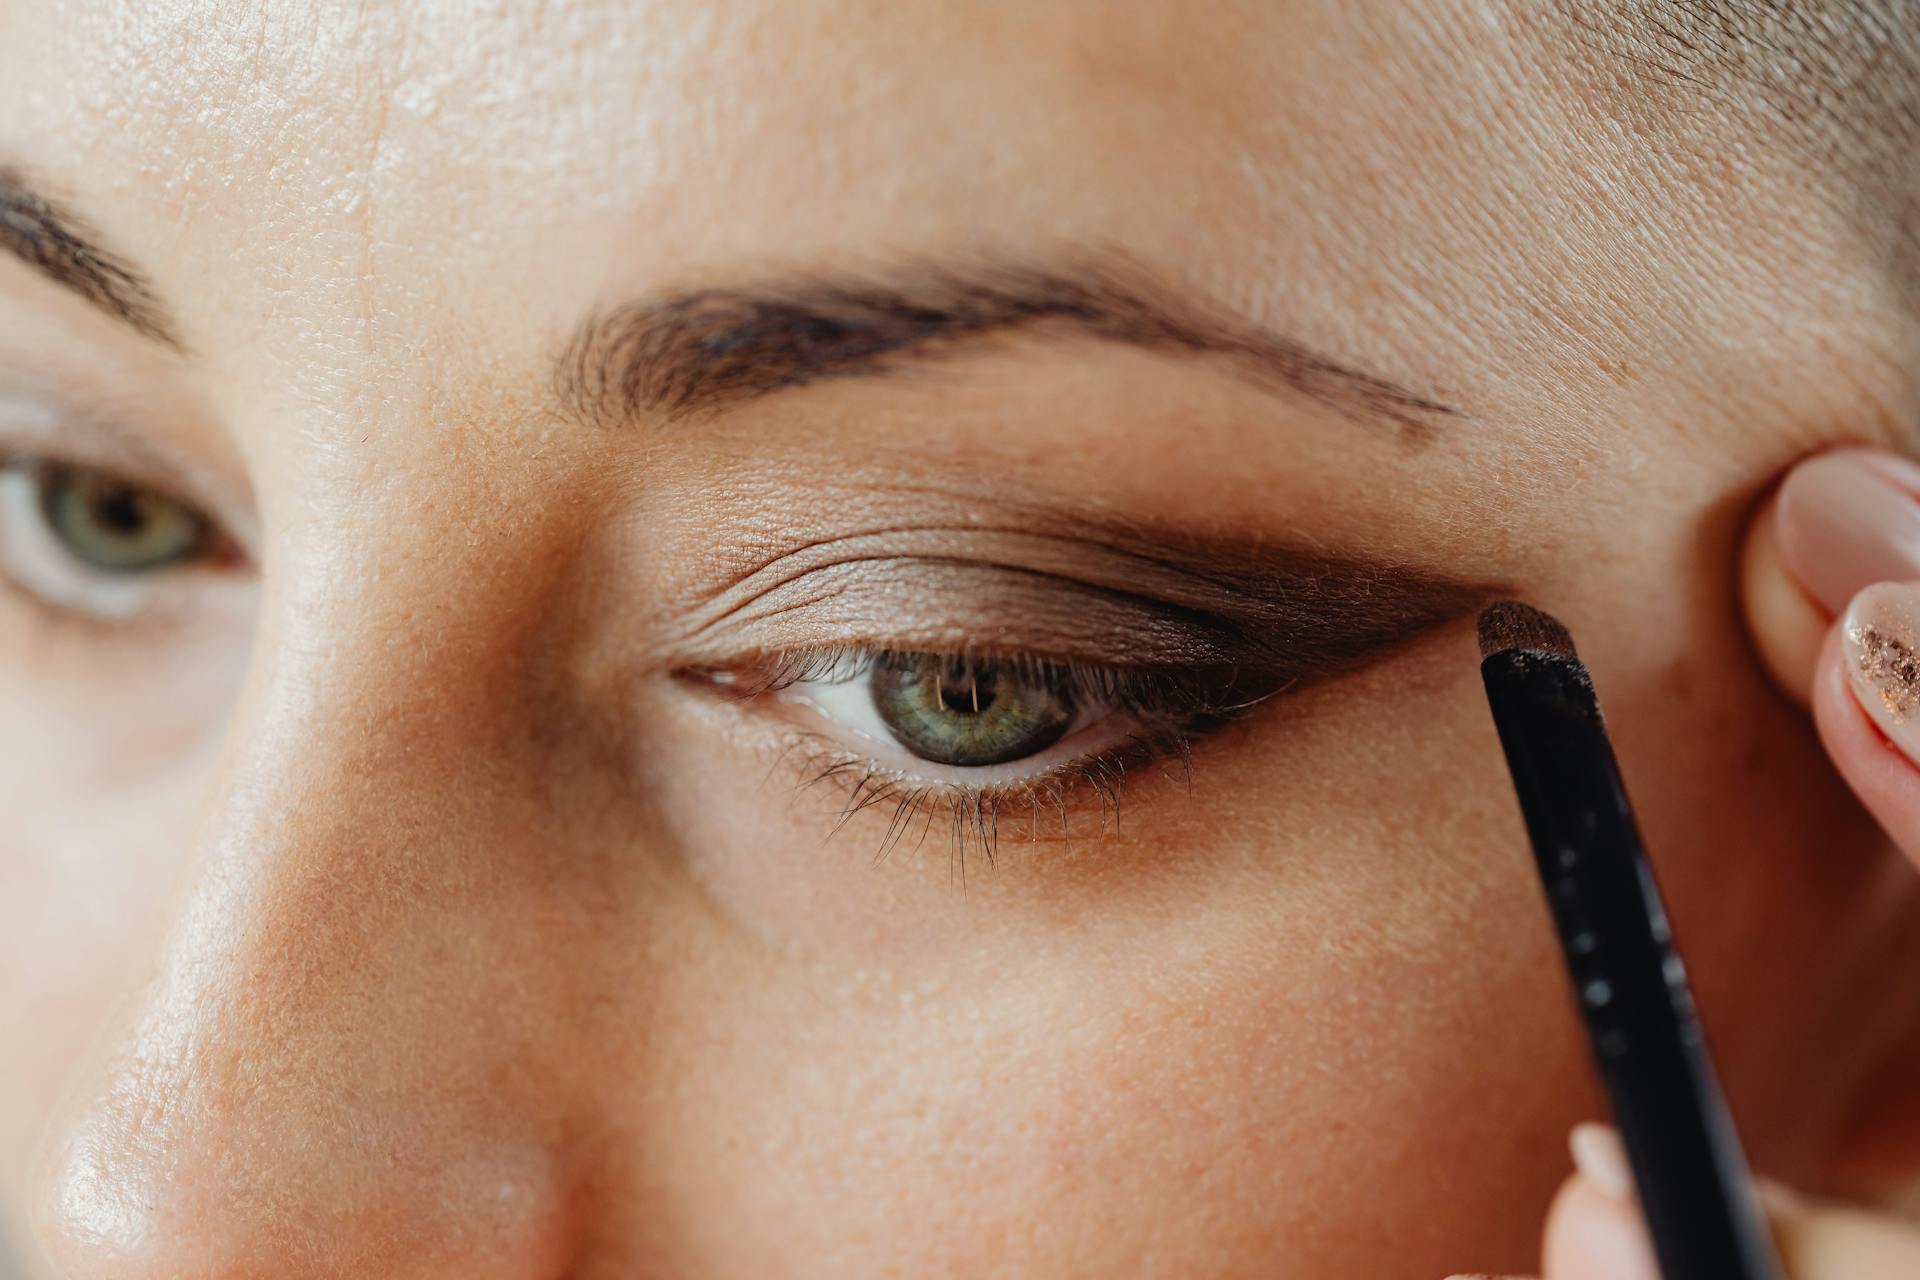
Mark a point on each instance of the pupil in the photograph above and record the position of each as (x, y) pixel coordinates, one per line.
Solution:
(120, 511)
(961, 689)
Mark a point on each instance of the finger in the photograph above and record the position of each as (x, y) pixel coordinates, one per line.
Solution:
(1866, 705)
(1841, 521)
(1595, 1232)
(1594, 1229)
(1846, 1244)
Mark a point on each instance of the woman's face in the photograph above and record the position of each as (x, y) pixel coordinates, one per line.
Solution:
(479, 805)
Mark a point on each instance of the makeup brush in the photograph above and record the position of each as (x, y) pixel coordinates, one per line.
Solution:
(1694, 1187)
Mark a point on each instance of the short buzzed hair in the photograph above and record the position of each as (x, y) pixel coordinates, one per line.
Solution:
(1836, 81)
(1848, 69)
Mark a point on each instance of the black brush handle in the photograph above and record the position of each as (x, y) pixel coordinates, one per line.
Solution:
(1695, 1189)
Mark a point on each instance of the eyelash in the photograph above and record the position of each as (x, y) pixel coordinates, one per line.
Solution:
(1170, 709)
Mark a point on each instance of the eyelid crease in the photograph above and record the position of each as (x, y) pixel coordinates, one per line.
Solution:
(946, 604)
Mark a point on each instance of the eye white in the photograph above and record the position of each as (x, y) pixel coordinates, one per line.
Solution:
(847, 700)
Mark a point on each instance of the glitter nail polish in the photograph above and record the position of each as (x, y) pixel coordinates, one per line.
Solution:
(1881, 631)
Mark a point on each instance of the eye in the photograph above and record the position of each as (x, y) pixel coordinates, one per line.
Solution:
(921, 735)
(116, 527)
(87, 542)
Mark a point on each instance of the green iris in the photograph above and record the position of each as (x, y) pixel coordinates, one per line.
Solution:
(116, 527)
(960, 712)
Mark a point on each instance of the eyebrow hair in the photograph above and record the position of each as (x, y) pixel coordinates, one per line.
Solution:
(62, 248)
(686, 353)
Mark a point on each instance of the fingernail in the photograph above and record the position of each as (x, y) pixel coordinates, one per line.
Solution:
(1848, 519)
(1601, 1158)
(1597, 1230)
(1881, 634)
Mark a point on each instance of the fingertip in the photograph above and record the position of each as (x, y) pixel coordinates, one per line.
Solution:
(1879, 771)
(1593, 1234)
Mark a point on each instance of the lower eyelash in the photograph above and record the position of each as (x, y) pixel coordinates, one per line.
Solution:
(1037, 810)
(1169, 709)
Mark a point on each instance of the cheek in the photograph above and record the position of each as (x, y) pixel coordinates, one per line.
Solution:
(1061, 1120)
(84, 879)
(1291, 1052)
(104, 755)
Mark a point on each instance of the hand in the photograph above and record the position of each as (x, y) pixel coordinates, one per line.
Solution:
(1595, 1232)
(1831, 581)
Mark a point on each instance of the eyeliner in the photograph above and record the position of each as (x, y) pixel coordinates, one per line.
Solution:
(1694, 1187)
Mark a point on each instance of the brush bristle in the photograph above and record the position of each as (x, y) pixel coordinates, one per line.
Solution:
(1508, 624)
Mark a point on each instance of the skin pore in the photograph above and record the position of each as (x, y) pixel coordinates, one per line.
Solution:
(435, 887)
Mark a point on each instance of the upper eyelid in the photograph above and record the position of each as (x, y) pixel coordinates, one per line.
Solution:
(940, 588)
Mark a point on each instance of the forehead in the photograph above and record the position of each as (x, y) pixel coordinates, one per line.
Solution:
(681, 135)
(673, 90)
(1430, 189)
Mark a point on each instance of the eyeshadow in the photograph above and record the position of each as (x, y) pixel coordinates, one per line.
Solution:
(1114, 595)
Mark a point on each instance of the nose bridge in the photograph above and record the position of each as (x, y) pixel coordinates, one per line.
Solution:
(346, 1056)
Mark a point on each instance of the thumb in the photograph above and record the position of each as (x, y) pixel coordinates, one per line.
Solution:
(1842, 539)
(1594, 1229)
(1840, 522)
(1595, 1232)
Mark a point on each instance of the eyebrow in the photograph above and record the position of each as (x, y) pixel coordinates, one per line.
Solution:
(687, 353)
(58, 245)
